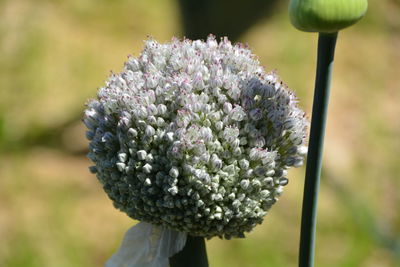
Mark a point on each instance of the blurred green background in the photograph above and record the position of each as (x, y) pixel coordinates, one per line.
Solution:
(55, 54)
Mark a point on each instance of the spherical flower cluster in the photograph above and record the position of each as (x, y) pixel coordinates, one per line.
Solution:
(195, 136)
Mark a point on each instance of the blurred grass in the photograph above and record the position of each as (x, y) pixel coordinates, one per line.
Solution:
(55, 54)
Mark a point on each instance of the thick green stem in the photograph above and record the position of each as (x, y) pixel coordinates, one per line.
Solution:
(194, 254)
(326, 51)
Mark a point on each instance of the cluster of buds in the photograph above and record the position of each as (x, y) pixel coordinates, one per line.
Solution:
(195, 136)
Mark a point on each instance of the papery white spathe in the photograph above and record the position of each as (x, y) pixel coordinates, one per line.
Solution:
(147, 245)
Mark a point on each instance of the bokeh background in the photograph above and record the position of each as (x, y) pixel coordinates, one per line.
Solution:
(55, 54)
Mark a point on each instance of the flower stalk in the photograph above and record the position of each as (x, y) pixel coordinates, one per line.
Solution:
(326, 51)
(193, 254)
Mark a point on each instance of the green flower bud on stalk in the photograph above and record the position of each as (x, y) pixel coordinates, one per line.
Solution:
(326, 15)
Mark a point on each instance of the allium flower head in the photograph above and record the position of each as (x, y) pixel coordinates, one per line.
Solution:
(195, 136)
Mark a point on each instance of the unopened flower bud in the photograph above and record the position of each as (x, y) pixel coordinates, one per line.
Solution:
(326, 15)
